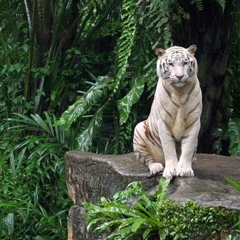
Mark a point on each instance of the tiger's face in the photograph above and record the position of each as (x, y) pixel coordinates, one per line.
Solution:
(177, 65)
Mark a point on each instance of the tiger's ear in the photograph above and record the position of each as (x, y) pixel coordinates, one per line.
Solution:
(160, 52)
(192, 49)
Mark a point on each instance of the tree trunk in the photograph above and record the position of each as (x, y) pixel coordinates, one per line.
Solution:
(212, 30)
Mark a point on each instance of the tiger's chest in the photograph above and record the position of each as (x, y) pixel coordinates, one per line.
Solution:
(176, 111)
(178, 123)
(177, 114)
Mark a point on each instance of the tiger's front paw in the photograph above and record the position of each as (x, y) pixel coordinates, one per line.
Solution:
(169, 172)
(155, 168)
(185, 172)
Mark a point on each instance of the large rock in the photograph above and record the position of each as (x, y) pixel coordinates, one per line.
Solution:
(90, 176)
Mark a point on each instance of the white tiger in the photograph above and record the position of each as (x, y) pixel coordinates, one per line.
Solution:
(170, 134)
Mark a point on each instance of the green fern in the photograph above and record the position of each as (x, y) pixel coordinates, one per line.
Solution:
(133, 70)
(157, 18)
(199, 4)
(222, 3)
(102, 92)
(98, 4)
(234, 134)
(132, 214)
(128, 222)
(230, 132)
(126, 41)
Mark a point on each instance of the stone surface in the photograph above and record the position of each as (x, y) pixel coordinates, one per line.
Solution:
(76, 228)
(90, 176)
(209, 186)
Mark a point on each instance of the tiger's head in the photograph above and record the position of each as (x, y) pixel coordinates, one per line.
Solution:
(177, 65)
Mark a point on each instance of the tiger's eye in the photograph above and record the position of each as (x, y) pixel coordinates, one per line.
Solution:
(170, 64)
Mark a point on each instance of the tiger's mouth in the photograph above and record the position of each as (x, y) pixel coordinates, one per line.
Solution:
(179, 82)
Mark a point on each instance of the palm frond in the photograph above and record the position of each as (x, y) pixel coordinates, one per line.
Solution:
(43, 127)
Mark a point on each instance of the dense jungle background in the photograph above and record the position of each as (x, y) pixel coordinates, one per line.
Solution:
(80, 74)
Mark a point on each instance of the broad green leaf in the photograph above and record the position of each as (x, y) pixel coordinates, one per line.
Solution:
(222, 3)
(125, 104)
(162, 234)
(124, 232)
(147, 233)
(162, 191)
(106, 225)
(86, 137)
(233, 183)
(94, 95)
(127, 222)
(94, 222)
(121, 234)
(143, 209)
(9, 221)
(137, 223)
(42, 238)
(12, 164)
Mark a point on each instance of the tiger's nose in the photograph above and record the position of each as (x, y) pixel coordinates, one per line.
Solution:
(179, 76)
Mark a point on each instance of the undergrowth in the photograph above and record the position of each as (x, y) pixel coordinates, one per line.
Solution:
(156, 217)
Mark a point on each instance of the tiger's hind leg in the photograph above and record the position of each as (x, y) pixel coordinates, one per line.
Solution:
(146, 149)
(145, 158)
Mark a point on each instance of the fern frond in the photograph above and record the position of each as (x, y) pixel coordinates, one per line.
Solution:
(199, 4)
(158, 18)
(162, 191)
(234, 134)
(126, 40)
(222, 3)
(98, 4)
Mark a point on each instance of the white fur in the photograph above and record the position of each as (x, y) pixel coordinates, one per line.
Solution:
(175, 115)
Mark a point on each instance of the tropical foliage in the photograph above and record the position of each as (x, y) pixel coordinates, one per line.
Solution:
(33, 197)
(237, 225)
(80, 75)
(155, 217)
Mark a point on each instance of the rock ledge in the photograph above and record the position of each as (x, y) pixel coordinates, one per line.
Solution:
(90, 176)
